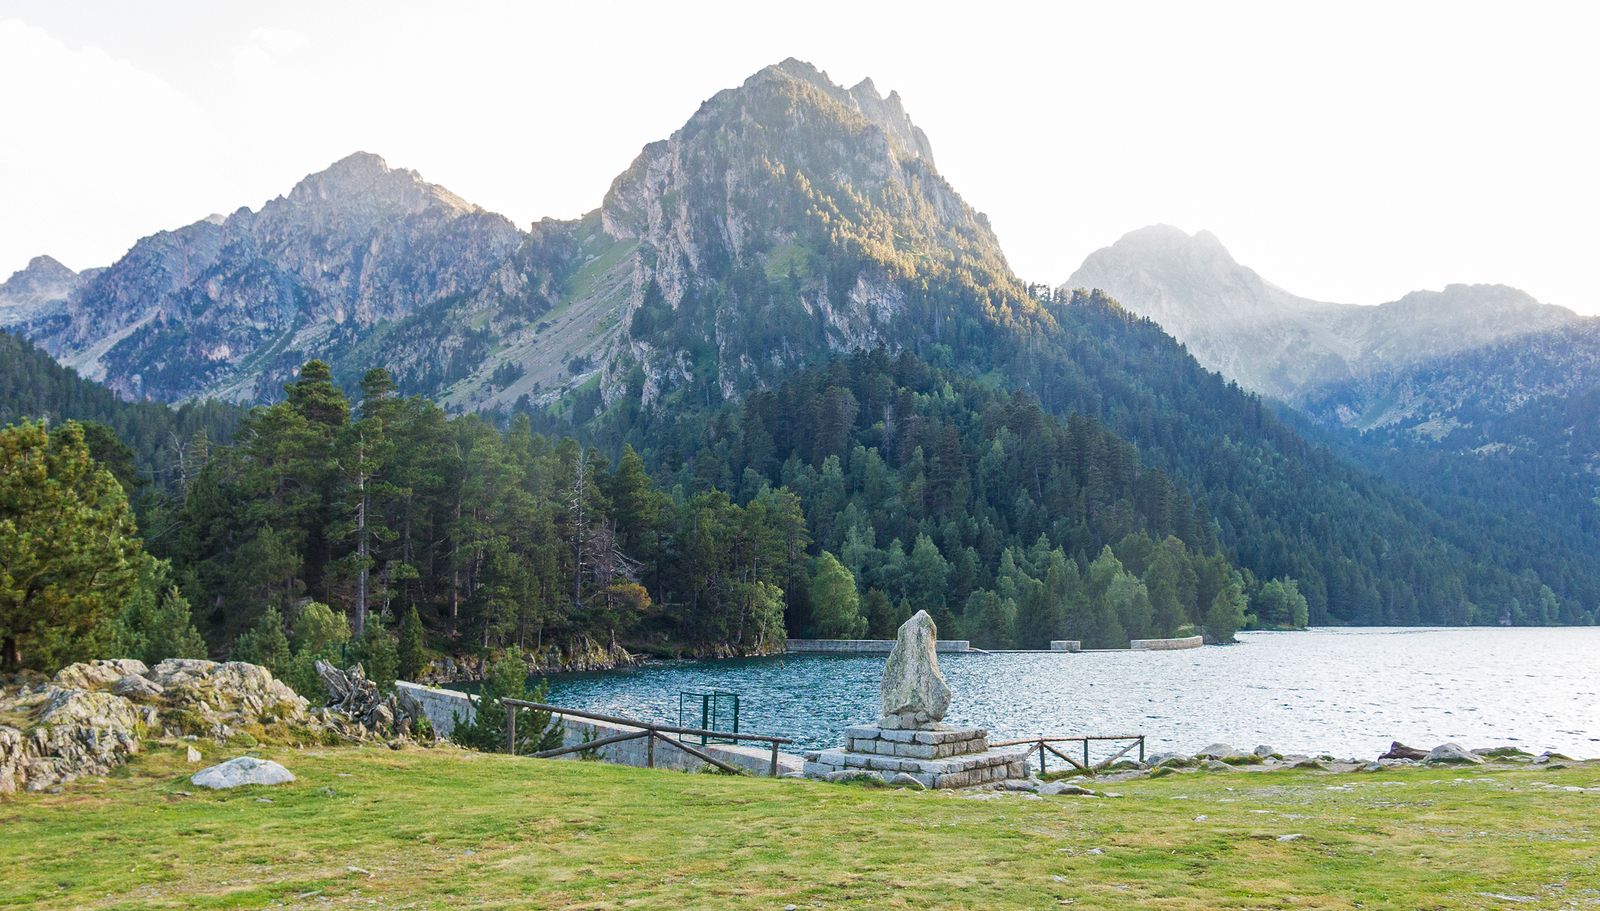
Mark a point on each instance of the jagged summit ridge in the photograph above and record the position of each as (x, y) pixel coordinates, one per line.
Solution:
(787, 179)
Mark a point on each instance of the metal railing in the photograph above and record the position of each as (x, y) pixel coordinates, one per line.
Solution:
(1046, 744)
(648, 730)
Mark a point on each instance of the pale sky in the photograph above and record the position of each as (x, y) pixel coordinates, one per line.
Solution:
(1349, 152)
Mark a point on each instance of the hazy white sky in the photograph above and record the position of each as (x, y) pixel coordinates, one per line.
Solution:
(1349, 152)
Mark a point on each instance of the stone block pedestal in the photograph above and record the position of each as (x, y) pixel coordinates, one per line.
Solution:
(937, 755)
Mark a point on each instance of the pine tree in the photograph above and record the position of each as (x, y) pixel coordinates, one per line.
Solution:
(265, 643)
(412, 656)
(69, 551)
(375, 650)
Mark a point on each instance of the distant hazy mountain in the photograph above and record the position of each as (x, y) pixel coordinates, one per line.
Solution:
(1283, 345)
(37, 292)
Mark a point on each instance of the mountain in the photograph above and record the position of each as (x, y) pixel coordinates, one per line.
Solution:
(1281, 345)
(788, 222)
(363, 261)
(1517, 415)
(226, 307)
(37, 292)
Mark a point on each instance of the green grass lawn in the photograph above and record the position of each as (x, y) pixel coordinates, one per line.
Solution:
(371, 827)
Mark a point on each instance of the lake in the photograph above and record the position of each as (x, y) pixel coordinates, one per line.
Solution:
(1343, 691)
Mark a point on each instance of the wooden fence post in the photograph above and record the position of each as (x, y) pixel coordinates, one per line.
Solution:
(511, 729)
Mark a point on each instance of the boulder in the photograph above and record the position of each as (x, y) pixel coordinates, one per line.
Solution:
(1264, 751)
(97, 675)
(1215, 765)
(1055, 788)
(907, 780)
(1398, 750)
(1221, 751)
(1452, 754)
(1510, 753)
(137, 688)
(241, 771)
(913, 688)
(80, 732)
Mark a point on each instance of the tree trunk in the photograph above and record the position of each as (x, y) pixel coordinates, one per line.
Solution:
(361, 552)
(10, 654)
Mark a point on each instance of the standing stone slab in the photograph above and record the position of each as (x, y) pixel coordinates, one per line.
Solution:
(912, 684)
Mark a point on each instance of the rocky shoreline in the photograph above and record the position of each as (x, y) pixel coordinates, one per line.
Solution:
(1221, 757)
(584, 656)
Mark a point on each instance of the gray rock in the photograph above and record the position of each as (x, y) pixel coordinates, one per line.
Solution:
(241, 771)
(1398, 750)
(1452, 754)
(133, 686)
(850, 775)
(912, 684)
(192, 755)
(907, 780)
(1055, 788)
(1218, 751)
(1021, 784)
(1215, 765)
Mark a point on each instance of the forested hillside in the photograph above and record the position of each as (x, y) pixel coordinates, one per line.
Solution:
(148, 443)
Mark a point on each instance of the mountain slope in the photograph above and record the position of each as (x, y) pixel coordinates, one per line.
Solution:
(1278, 344)
(788, 221)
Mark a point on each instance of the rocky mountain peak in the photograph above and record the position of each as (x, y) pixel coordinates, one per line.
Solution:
(37, 290)
(886, 113)
(1187, 283)
(41, 271)
(363, 180)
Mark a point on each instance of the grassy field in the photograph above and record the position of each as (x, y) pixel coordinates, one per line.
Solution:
(371, 827)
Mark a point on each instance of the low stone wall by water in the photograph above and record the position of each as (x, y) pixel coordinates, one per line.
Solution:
(443, 706)
(1166, 645)
(1066, 645)
(865, 646)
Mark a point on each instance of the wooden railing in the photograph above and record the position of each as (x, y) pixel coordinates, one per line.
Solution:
(649, 730)
(1046, 744)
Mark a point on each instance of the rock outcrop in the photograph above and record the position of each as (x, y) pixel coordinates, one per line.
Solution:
(93, 715)
(913, 689)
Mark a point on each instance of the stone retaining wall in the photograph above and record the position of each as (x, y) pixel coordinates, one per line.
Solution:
(1163, 645)
(443, 706)
(1066, 645)
(866, 646)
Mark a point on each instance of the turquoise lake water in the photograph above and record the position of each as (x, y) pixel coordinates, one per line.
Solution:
(1343, 691)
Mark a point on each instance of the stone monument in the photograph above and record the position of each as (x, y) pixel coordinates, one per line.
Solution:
(910, 738)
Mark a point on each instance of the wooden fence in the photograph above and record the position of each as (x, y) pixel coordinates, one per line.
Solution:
(1047, 745)
(649, 730)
